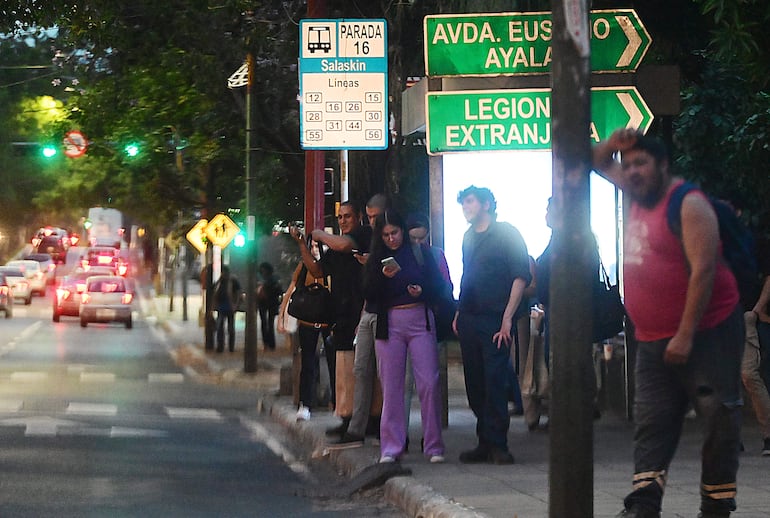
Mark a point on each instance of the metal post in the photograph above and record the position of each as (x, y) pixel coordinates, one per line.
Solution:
(250, 340)
(344, 181)
(314, 159)
(183, 263)
(573, 383)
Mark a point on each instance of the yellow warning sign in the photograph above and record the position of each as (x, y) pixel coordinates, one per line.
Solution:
(221, 230)
(197, 235)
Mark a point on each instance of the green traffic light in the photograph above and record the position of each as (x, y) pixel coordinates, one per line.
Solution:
(49, 151)
(239, 240)
(131, 150)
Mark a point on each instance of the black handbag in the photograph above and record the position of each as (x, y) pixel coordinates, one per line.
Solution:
(311, 304)
(608, 308)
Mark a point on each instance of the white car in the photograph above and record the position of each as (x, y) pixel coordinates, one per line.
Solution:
(47, 264)
(19, 284)
(34, 274)
(107, 299)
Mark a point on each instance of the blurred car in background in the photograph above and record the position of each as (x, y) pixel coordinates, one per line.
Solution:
(33, 273)
(106, 299)
(19, 284)
(101, 256)
(54, 246)
(69, 290)
(47, 264)
(6, 297)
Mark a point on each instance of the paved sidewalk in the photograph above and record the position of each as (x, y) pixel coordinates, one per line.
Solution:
(458, 490)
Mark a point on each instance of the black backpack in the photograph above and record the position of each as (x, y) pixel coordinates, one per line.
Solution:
(738, 248)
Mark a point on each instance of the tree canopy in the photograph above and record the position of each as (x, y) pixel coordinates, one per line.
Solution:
(154, 74)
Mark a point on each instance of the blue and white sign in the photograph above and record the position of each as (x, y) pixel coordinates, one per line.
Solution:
(343, 78)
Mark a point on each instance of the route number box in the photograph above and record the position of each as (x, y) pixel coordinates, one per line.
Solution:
(343, 77)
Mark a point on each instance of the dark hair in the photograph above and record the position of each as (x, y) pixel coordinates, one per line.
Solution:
(266, 267)
(651, 145)
(378, 201)
(482, 194)
(356, 209)
(378, 251)
(417, 220)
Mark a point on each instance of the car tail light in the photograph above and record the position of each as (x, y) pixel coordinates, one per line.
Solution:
(80, 287)
(122, 269)
(85, 298)
(62, 294)
(3, 290)
(51, 267)
(74, 240)
(127, 298)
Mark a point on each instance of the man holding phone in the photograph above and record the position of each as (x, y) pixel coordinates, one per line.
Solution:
(347, 297)
(365, 418)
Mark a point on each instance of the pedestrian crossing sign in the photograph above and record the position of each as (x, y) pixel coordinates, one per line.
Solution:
(221, 230)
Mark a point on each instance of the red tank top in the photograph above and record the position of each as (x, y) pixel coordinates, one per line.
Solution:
(656, 276)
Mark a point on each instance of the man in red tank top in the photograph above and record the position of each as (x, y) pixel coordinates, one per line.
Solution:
(683, 301)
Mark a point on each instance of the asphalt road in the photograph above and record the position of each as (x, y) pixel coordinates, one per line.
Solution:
(101, 422)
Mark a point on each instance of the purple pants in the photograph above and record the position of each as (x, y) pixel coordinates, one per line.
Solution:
(407, 333)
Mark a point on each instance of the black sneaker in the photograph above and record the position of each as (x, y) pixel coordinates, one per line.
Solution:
(478, 455)
(339, 430)
(766, 448)
(638, 511)
(348, 440)
(500, 457)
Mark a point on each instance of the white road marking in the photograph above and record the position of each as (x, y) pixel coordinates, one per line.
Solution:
(260, 434)
(92, 409)
(193, 413)
(118, 431)
(29, 376)
(10, 406)
(171, 377)
(11, 345)
(39, 425)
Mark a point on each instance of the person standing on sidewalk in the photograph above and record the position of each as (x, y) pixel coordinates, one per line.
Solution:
(340, 263)
(495, 273)
(227, 291)
(684, 303)
(401, 281)
(366, 391)
(755, 357)
(268, 301)
(308, 338)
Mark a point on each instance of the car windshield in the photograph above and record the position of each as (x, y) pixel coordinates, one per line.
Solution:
(13, 272)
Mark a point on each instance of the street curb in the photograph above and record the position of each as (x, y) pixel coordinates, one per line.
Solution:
(415, 499)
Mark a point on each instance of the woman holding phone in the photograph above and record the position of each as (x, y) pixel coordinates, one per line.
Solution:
(403, 279)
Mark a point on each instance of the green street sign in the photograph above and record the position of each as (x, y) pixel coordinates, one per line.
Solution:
(504, 120)
(520, 43)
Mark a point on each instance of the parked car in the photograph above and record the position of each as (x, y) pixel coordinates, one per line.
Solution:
(19, 284)
(47, 264)
(70, 289)
(6, 297)
(34, 274)
(106, 299)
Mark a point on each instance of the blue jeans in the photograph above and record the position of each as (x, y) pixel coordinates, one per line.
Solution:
(711, 381)
(487, 375)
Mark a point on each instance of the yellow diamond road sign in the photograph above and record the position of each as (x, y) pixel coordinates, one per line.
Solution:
(197, 235)
(221, 230)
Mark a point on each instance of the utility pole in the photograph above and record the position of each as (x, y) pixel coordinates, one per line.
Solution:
(250, 342)
(315, 160)
(573, 385)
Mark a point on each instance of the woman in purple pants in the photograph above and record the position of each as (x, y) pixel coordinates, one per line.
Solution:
(403, 280)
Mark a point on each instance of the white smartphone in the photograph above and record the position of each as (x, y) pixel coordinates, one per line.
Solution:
(391, 263)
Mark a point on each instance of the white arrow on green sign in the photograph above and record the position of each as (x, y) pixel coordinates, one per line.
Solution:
(520, 43)
(504, 120)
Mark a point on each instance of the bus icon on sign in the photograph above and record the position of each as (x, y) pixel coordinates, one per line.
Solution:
(319, 38)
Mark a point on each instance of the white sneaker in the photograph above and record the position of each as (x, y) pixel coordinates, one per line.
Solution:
(437, 459)
(387, 459)
(303, 413)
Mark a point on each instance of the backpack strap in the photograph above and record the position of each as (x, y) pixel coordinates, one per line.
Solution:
(674, 209)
